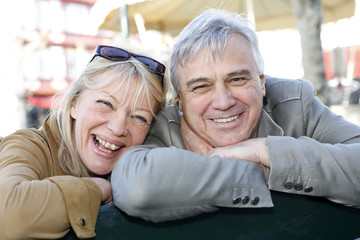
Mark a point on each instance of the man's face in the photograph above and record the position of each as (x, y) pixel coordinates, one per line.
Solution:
(221, 98)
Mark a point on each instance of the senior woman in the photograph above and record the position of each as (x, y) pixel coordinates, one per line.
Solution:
(56, 177)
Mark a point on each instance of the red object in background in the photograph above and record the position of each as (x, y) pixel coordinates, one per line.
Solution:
(328, 64)
(44, 101)
(354, 52)
(40, 101)
(43, 97)
(329, 59)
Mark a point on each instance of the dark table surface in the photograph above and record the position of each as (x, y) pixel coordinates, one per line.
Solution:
(293, 217)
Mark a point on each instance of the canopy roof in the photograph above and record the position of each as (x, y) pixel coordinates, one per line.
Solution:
(172, 16)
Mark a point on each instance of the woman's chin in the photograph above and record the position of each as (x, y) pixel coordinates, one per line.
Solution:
(100, 172)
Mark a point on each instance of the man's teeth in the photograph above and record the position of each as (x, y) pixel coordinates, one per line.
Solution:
(107, 144)
(225, 120)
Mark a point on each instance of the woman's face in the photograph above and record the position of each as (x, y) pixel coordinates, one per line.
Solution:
(105, 125)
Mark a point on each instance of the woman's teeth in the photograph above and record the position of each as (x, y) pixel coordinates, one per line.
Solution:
(107, 145)
(226, 120)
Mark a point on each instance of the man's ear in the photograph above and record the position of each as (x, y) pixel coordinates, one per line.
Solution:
(262, 84)
(179, 101)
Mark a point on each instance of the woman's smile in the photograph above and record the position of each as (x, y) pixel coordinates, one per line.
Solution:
(105, 146)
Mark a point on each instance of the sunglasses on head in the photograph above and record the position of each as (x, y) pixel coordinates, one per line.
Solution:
(118, 54)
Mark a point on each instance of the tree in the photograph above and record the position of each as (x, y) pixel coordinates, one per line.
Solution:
(308, 18)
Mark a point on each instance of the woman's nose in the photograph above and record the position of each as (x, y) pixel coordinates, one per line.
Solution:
(222, 98)
(118, 124)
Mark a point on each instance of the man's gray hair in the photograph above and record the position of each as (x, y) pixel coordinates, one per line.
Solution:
(211, 30)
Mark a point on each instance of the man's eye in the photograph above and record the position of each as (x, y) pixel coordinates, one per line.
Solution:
(200, 88)
(106, 103)
(239, 80)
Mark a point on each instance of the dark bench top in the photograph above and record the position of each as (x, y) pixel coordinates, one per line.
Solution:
(293, 217)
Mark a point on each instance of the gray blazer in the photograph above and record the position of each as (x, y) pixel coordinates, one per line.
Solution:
(312, 152)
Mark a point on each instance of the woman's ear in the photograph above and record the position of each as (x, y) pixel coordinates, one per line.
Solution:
(73, 110)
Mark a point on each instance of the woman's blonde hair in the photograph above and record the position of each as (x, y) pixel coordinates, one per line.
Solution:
(125, 72)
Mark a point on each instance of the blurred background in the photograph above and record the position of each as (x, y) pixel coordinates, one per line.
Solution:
(46, 43)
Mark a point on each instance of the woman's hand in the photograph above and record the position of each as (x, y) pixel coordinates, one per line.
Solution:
(254, 150)
(105, 186)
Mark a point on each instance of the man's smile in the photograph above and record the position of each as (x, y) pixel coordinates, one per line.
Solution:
(226, 120)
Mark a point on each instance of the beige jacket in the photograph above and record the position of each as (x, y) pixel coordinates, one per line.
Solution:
(37, 199)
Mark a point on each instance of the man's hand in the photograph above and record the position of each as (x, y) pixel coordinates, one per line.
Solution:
(254, 150)
(105, 186)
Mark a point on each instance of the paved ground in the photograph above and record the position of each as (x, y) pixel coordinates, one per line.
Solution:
(351, 112)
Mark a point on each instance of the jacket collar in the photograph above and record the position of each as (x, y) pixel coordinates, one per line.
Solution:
(267, 126)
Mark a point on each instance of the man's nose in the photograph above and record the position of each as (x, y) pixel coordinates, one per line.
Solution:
(118, 124)
(223, 98)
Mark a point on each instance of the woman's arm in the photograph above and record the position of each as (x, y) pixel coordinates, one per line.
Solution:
(46, 205)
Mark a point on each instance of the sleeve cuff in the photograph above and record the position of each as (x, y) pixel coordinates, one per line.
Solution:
(82, 199)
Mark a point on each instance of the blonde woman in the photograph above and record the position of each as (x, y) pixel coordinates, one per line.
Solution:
(56, 177)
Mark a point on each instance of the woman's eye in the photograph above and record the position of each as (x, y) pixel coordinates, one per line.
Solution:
(139, 119)
(105, 103)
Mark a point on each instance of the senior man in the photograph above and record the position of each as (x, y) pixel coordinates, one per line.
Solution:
(236, 133)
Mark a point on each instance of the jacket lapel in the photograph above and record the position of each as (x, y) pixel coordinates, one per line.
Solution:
(267, 126)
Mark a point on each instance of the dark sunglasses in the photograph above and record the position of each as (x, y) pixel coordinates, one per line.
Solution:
(118, 54)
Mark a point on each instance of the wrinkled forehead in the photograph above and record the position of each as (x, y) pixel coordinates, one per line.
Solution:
(213, 47)
(208, 50)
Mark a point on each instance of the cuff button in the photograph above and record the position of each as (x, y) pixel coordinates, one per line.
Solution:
(298, 186)
(246, 199)
(288, 185)
(82, 222)
(236, 200)
(255, 200)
